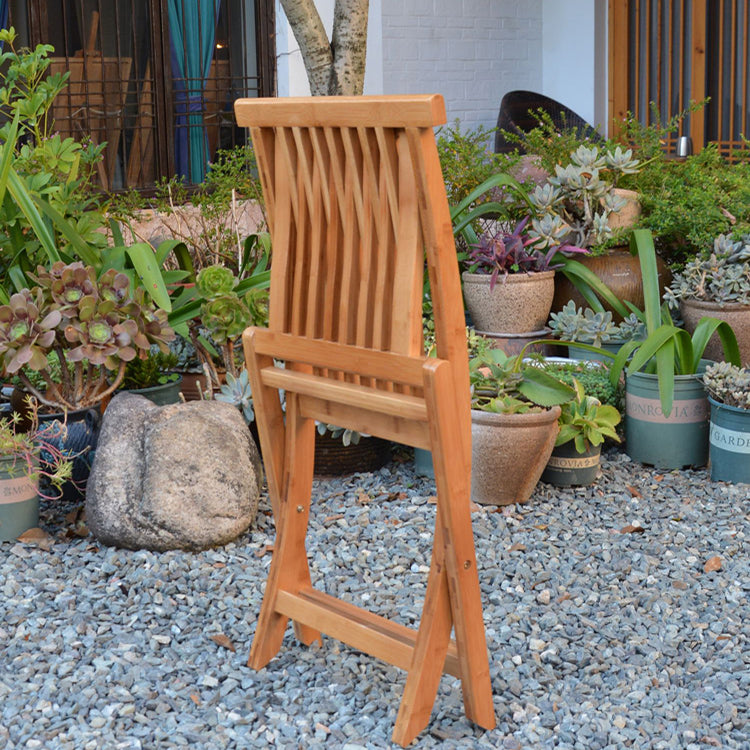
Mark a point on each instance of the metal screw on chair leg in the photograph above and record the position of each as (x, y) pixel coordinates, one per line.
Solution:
(467, 564)
(299, 509)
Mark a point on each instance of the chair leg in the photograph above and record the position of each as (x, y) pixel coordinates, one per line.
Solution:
(430, 649)
(289, 567)
(452, 481)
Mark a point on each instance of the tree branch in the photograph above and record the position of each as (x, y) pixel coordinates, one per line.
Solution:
(349, 44)
(313, 42)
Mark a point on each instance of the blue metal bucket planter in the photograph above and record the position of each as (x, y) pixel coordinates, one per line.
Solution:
(729, 443)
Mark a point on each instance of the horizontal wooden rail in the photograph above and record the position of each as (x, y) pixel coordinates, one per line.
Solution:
(363, 630)
(371, 363)
(358, 396)
(386, 426)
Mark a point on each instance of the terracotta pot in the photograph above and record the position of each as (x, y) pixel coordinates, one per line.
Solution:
(628, 215)
(513, 343)
(192, 383)
(518, 304)
(619, 270)
(738, 316)
(509, 453)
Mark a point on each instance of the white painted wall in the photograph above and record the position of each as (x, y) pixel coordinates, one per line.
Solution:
(473, 52)
(574, 56)
(470, 51)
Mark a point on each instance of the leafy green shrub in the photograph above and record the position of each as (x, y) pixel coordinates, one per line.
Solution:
(467, 161)
(593, 378)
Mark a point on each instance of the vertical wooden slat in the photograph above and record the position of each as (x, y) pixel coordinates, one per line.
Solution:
(745, 108)
(618, 70)
(681, 66)
(698, 71)
(733, 74)
(638, 62)
(720, 70)
(670, 47)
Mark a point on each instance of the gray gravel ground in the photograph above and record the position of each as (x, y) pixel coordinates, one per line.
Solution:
(598, 637)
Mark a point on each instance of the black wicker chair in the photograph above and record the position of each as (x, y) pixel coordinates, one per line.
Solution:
(514, 117)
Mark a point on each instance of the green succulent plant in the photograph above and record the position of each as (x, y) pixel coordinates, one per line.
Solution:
(580, 196)
(94, 325)
(728, 384)
(586, 421)
(721, 276)
(511, 385)
(596, 328)
(216, 281)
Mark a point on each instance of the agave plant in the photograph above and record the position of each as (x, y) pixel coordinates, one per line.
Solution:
(91, 327)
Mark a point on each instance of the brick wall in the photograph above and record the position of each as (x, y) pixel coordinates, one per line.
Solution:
(470, 51)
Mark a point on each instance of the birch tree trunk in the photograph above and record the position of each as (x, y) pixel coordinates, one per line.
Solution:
(335, 67)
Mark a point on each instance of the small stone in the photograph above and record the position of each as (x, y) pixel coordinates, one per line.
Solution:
(535, 644)
(544, 596)
(619, 722)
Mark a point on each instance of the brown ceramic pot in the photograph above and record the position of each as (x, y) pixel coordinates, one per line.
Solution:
(517, 304)
(738, 316)
(619, 270)
(509, 453)
(514, 343)
(628, 215)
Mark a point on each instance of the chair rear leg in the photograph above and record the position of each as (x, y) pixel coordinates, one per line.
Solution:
(452, 480)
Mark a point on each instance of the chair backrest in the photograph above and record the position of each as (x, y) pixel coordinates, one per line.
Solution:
(355, 196)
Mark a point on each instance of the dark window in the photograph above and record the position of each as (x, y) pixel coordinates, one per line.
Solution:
(154, 79)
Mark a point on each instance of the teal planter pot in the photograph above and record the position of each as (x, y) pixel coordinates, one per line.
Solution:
(19, 501)
(569, 468)
(669, 441)
(576, 352)
(162, 394)
(423, 463)
(729, 443)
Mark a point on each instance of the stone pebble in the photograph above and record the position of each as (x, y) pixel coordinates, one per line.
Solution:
(598, 638)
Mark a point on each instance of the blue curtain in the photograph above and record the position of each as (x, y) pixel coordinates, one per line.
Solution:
(3, 15)
(192, 31)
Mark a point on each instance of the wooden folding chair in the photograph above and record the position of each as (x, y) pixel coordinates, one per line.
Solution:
(355, 196)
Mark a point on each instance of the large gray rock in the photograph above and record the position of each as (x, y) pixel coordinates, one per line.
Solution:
(182, 476)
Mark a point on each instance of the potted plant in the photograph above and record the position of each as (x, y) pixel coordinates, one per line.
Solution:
(514, 413)
(584, 424)
(154, 377)
(729, 435)
(31, 463)
(598, 329)
(717, 283)
(666, 409)
(68, 341)
(509, 281)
